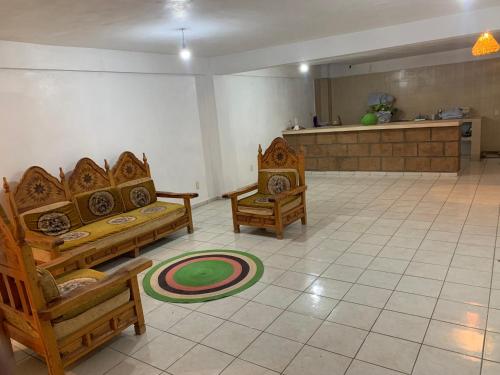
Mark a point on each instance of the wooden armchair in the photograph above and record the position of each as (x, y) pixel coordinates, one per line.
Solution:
(281, 191)
(62, 315)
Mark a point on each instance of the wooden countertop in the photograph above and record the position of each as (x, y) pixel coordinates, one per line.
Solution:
(391, 125)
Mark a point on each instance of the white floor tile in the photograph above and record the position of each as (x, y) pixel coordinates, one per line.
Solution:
(271, 351)
(201, 360)
(313, 305)
(338, 338)
(294, 326)
(231, 338)
(379, 349)
(403, 326)
(436, 361)
(354, 315)
(314, 361)
(464, 340)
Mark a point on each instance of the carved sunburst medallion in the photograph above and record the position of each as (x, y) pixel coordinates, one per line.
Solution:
(129, 170)
(38, 190)
(280, 156)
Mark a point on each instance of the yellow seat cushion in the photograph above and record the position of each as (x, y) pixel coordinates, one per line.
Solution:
(80, 279)
(259, 204)
(119, 223)
(67, 327)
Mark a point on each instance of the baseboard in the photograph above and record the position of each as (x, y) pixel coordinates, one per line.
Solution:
(392, 174)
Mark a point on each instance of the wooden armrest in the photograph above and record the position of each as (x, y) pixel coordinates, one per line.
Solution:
(168, 194)
(243, 190)
(41, 241)
(75, 258)
(85, 294)
(288, 193)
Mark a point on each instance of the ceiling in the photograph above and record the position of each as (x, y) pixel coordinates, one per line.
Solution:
(215, 27)
(405, 51)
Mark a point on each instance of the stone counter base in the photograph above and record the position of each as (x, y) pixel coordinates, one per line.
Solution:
(398, 150)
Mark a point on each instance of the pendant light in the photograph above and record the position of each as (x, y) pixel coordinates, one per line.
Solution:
(184, 53)
(485, 45)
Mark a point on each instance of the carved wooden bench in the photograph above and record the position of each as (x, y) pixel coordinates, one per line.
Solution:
(102, 213)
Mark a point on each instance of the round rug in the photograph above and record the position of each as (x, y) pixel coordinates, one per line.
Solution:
(203, 276)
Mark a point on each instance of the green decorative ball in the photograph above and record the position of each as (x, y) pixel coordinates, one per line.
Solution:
(369, 119)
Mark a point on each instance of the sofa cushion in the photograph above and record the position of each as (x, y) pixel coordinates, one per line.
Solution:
(99, 204)
(275, 181)
(52, 220)
(259, 204)
(48, 284)
(79, 279)
(66, 327)
(120, 223)
(138, 193)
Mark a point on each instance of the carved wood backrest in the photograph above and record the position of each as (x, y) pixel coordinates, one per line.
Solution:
(37, 188)
(280, 155)
(19, 292)
(130, 168)
(88, 176)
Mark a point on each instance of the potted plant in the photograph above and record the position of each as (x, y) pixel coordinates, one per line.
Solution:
(384, 112)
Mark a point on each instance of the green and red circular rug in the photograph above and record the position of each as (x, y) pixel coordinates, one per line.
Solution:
(203, 276)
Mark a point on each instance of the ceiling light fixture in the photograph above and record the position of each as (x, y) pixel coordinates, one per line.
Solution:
(304, 68)
(485, 45)
(184, 53)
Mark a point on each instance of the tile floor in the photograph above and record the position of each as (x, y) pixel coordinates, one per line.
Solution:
(392, 274)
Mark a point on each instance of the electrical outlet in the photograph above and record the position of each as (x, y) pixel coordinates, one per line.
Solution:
(251, 167)
(197, 185)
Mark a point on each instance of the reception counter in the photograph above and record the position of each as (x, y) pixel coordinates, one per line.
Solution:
(425, 146)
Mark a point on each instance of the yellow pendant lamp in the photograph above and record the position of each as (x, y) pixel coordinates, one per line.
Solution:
(485, 45)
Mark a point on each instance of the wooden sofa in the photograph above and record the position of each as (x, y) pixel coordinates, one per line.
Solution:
(276, 201)
(62, 318)
(102, 213)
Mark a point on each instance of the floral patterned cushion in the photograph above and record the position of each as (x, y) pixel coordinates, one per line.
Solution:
(99, 204)
(275, 181)
(53, 220)
(137, 194)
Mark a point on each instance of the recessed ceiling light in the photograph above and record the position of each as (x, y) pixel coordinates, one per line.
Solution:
(304, 68)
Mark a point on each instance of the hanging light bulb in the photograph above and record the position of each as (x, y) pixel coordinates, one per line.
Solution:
(485, 45)
(184, 53)
(304, 68)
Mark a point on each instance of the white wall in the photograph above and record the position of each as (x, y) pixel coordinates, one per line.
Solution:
(253, 110)
(53, 118)
(60, 104)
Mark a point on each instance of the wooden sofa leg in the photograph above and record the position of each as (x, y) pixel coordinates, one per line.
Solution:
(135, 252)
(187, 204)
(52, 354)
(140, 325)
(55, 367)
(303, 219)
(278, 221)
(234, 207)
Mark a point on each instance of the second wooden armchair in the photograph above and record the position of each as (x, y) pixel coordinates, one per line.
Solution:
(280, 197)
